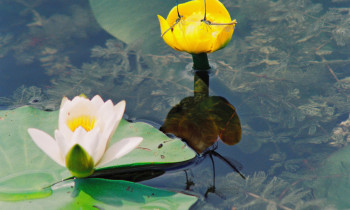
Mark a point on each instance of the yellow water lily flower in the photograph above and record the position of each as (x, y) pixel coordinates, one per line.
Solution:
(85, 128)
(203, 27)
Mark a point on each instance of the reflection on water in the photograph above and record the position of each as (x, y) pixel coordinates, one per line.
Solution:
(201, 119)
(285, 71)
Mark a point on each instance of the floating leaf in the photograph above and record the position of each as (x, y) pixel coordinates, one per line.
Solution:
(103, 194)
(333, 180)
(133, 21)
(26, 170)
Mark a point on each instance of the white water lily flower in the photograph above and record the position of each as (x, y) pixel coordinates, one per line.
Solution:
(84, 130)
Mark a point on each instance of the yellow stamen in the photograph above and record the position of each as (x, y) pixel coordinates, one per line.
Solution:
(85, 121)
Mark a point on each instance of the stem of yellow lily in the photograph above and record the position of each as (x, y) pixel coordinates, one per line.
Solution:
(200, 61)
(201, 77)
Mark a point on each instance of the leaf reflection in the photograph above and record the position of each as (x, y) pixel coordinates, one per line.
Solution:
(201, 119)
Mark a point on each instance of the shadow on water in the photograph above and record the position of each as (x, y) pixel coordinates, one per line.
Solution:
(200, 121)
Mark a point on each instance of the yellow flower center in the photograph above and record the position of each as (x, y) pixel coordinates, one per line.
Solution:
(85, 121)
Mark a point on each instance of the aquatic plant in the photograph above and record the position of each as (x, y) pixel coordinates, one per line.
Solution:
(116, 71)
(285, 71)
(32, 179)
(5, 41)
(258, 191)
(25, 96)
(85, 128)
(197, 27)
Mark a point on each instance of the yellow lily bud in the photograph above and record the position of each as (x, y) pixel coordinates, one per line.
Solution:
(201, 28)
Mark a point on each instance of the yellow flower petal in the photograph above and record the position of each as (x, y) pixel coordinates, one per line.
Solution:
(166, 31)
(198, 36)
(224, 37)
(185, 10)
(193, 35)
(217, 9)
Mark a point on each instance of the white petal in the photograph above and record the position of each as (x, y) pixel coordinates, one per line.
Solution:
(104, 111)
(78, 135)
(90, 142)
(64, 100)
(120, 107)
(109, 129)
(113, 120)
(79, 99)
(82, 107)
(101, 147)
(47, 144)
(120, 149)
(62, 121)
(97, 101)
(109, 122)
(64, 144)
(78, 106)
(65, 130)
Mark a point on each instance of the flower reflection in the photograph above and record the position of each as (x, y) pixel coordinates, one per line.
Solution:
(201, 119)
(201, 123)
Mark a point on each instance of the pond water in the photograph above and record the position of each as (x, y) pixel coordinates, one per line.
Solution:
(286, 72)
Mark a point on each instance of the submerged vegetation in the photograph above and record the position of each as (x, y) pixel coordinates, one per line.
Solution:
(286, 71)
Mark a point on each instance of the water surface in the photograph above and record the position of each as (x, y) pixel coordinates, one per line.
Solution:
(286, 71)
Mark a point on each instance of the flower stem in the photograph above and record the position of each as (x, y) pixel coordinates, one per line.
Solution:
(201, 77)
(200, 61)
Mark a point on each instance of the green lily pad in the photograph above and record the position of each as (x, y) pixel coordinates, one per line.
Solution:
(134, 22)
(26, 170)
(333, 180)
(104, 194)
(156, 146)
